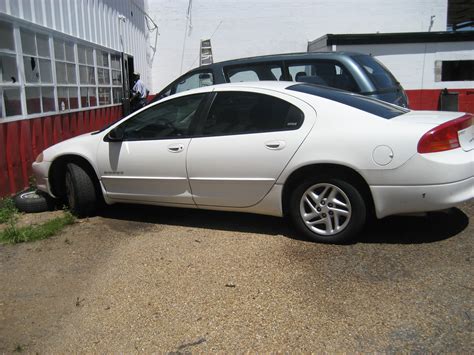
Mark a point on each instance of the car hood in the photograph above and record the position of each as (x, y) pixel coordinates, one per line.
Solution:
(84, 145)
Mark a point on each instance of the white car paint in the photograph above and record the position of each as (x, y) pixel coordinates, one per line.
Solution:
(239, 173)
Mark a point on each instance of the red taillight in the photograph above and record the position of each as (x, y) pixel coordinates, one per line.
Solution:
(444, 136)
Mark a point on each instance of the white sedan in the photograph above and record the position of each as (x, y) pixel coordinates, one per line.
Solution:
(324, 157)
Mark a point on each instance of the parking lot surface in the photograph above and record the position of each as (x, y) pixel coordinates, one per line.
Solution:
(160, 279)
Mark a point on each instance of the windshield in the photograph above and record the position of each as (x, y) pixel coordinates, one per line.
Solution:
(364, 103)
(379, 75)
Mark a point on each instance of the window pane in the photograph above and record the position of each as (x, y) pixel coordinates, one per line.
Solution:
(59, 49)
(33, 104)
(81, 54)
(116, 77)
(71, 73)
(104, 96)
(256, 72)
(89, 56)
(8, 70)
(43, 45)
(73, 100)
(243, 113)
(6, 34)
(70, 52)
(86, 75)
(117, 94)
(28, 42)
(63, 102)
(31, 66)
(194, 81)
(457, 70)
(169, 119)
(61, 73)
(102, 58)
(103, 76)
(115, 61)
(12, 102)
(84, 97)
(48, 99)
(92, 97)
(45, 71)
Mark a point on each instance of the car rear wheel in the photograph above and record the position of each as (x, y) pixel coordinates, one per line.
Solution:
(328, 210)
(80, 191)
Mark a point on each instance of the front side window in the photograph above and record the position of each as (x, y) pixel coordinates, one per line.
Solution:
(169, 119)
(254, 72)
(327, 73)
(246, 112)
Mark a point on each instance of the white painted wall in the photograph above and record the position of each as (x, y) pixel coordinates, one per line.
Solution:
(256, 27)
(95, 21)
(413, 64)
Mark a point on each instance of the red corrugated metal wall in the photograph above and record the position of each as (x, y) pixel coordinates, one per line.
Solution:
(21, 141)
(429, 99)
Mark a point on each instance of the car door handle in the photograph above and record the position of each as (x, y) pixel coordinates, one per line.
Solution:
(275, 145)
(175, 148)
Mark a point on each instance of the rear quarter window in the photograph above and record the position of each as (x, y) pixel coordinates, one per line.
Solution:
(364, 103)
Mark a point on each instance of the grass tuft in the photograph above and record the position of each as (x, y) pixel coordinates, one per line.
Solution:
(13, 234)
(7, 209)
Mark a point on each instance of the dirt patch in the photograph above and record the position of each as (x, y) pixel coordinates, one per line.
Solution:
(151, 279)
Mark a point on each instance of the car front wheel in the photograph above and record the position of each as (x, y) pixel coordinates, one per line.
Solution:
(80, 191)
(328, 210)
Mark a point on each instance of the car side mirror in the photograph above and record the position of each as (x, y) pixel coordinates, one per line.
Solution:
(115, 135)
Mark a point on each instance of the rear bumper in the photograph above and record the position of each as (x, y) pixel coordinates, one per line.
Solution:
(390, 200)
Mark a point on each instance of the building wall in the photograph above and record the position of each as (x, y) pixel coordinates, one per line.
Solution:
(250, 27)
(61, 73)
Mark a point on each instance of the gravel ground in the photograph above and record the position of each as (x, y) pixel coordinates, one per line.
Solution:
(158, 279)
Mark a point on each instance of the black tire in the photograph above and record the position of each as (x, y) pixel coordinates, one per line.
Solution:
(33, 201)
(80, 191)
(325, 211)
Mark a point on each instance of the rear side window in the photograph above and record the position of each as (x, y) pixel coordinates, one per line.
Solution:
(320, 72)
(245, 112)
(364, 103)
(377, 73)
(254, 72)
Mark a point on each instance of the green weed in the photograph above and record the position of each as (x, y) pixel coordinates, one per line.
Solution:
(13, 234)
(7, 209)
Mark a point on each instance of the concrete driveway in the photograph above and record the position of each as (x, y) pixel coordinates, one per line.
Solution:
(148, 279)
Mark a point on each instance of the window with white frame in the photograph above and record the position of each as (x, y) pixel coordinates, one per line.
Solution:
(10, 100)
(117, 93)
(39, 91)
(87, 76)
(66, 75)
(42, 73)
(103, 77)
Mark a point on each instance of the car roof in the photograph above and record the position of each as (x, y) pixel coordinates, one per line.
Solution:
(280, 57)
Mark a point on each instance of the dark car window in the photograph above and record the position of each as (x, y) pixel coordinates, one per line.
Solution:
(377, 73)
(166, 120)
(253, 72)
(244, 112)
(328, 73)
(188, 82)
(364, 103)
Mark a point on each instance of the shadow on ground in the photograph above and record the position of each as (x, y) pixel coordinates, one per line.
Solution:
(433, 227)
